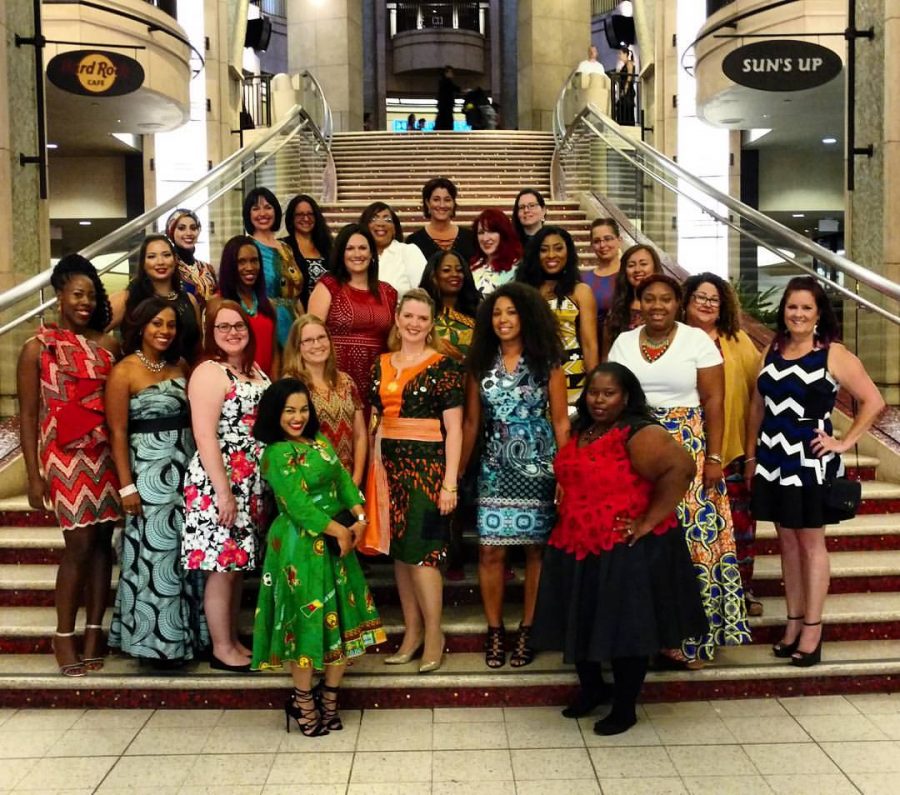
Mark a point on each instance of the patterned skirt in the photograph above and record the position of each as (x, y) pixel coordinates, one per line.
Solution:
(709, 532)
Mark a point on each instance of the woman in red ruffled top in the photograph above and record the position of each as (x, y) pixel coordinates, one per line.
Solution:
(616, 584)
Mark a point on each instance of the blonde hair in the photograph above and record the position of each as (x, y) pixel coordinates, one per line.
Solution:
(433, 340)
(292, 358)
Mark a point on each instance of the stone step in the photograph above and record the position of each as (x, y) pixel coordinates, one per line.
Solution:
(463, 680)
(851, 572)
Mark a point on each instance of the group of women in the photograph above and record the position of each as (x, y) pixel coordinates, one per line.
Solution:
(318, 396)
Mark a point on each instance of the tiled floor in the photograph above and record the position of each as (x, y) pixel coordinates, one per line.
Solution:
(819, 745)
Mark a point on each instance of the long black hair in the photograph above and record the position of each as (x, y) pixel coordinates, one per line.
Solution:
(73, 265)
(531, 272)
(468, 299)
(250, 202)
(136, 321)
(321, 234)
(541, 345)
(619, 316)
(338, 267)
(229, 279)
(267, 428)
(141, 287)
(636, 407)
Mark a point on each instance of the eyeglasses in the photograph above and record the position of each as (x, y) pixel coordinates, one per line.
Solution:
(606, 239)
(226, 328)
(384, 220)
(527, 208)
(315, 340)
(705, 300)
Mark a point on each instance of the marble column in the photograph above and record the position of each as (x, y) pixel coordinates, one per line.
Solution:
(553, 36)
(326, 38)
(873, 234)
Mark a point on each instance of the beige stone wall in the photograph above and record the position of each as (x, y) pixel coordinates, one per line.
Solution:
(23, 216)
(326, 38)
(553, 37)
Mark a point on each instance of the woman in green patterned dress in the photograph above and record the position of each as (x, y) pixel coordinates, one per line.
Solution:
(314, 609)
(449, 281)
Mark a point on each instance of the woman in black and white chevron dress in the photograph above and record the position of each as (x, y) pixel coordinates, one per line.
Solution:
(792, 452)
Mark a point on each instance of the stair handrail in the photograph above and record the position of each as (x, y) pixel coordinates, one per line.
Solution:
(297, 116)
(327, 130)
(591, 116)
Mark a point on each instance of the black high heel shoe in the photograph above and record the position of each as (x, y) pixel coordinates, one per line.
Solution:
(327, 701)
(495, 647)
(807, 659)
(785, 650)
(310, 716)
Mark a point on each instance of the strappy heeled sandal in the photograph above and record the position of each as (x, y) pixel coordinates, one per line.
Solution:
(72, 670)
(327, 701)
(523, 654)
(495, 647)
(93, 663)
(308, 718)
(807, 659)
(785, 650)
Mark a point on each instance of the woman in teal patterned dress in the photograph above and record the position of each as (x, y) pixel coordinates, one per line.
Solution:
(314, 609)
(158, 612)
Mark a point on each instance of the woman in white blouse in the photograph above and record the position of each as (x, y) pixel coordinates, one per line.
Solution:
(681, 371)
(399, 264)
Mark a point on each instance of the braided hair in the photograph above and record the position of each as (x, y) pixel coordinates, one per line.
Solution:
(75, 265)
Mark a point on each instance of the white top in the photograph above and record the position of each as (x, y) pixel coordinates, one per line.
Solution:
(671, 381)
(590, 67)
(401, 265)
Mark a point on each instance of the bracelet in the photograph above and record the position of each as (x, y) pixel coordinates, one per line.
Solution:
(715, 458)
(127, 491)
(450, 489)
(748, 460)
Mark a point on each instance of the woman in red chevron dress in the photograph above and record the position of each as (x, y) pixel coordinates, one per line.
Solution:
(61, 375)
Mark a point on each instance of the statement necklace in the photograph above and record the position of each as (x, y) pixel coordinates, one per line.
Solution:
(153, 367)
(594, 432)
(651, 350)
(251, 311)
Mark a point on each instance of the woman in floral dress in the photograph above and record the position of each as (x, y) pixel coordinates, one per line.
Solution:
(223, 486)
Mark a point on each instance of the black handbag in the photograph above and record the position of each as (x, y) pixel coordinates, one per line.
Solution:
(842, 497)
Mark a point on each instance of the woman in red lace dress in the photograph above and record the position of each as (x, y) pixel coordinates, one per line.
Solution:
(61, 375)
(358, 308)
(617, 581)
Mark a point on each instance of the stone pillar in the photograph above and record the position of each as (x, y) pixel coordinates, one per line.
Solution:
(873, 234)
(24, 225)
(553, 37)
(326, 38)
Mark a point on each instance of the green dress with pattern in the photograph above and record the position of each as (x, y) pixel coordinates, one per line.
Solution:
(314, 608)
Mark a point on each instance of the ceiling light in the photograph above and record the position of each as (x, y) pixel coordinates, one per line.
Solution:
(798, 215)
(84, 223)
(829, 140)
(52, 146)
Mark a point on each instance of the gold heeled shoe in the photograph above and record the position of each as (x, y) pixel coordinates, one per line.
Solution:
(402, 659)
(428, 666)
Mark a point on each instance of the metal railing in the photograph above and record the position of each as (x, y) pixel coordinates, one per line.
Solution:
(701, 228)
(291, 157)
(257, 101)
(450, 16)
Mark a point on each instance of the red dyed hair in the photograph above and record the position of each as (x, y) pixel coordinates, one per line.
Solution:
(509, 252)
(214, 352)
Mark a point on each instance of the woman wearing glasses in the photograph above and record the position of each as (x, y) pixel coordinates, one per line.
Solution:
(528, 214)
(310, 238)
(223, 488)
(399, 264)
(606, 243)
(710, 304)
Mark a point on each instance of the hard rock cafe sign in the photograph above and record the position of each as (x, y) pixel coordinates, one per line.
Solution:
(96, 73)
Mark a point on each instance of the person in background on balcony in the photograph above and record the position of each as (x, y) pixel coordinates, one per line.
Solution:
(283, 277)
(411, 122)
(710, 304)
(223, 489)
(606, 243)
(551, 266)
(399, 264)
(498, 252)
(65, 444)
(314, 609)
(241, 279)
(357, 307)
(309, 356)
(792, 452)
(590, 65)
(197, 277)
(638, 262)
(516, 400)
(446, 97)
(449, 281)
(682, 375)
(617, 582)
(624, 108)
(528, 214)
(310, 239)
(417, 397)
(158, 614)
(157, 275)
(441, 233)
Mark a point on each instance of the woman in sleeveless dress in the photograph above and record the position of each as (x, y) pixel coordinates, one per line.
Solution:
(606, 243)
(197, 277)
(792, 452)
(65, 443)
(551, 266)
(515, 400)
(158, 610)
(223, 488)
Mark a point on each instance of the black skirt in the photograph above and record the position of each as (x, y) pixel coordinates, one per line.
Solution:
(628, 602)
(794, 507)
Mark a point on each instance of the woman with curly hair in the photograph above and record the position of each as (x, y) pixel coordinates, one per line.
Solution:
(638, 262)
(516, 383)
(498, 250)
(709, 303)
(399, 264)
(309, 238)
(551, 265)
(65, 443)
(441, 232)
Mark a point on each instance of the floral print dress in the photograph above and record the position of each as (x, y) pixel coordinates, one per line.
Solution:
(206, 544)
